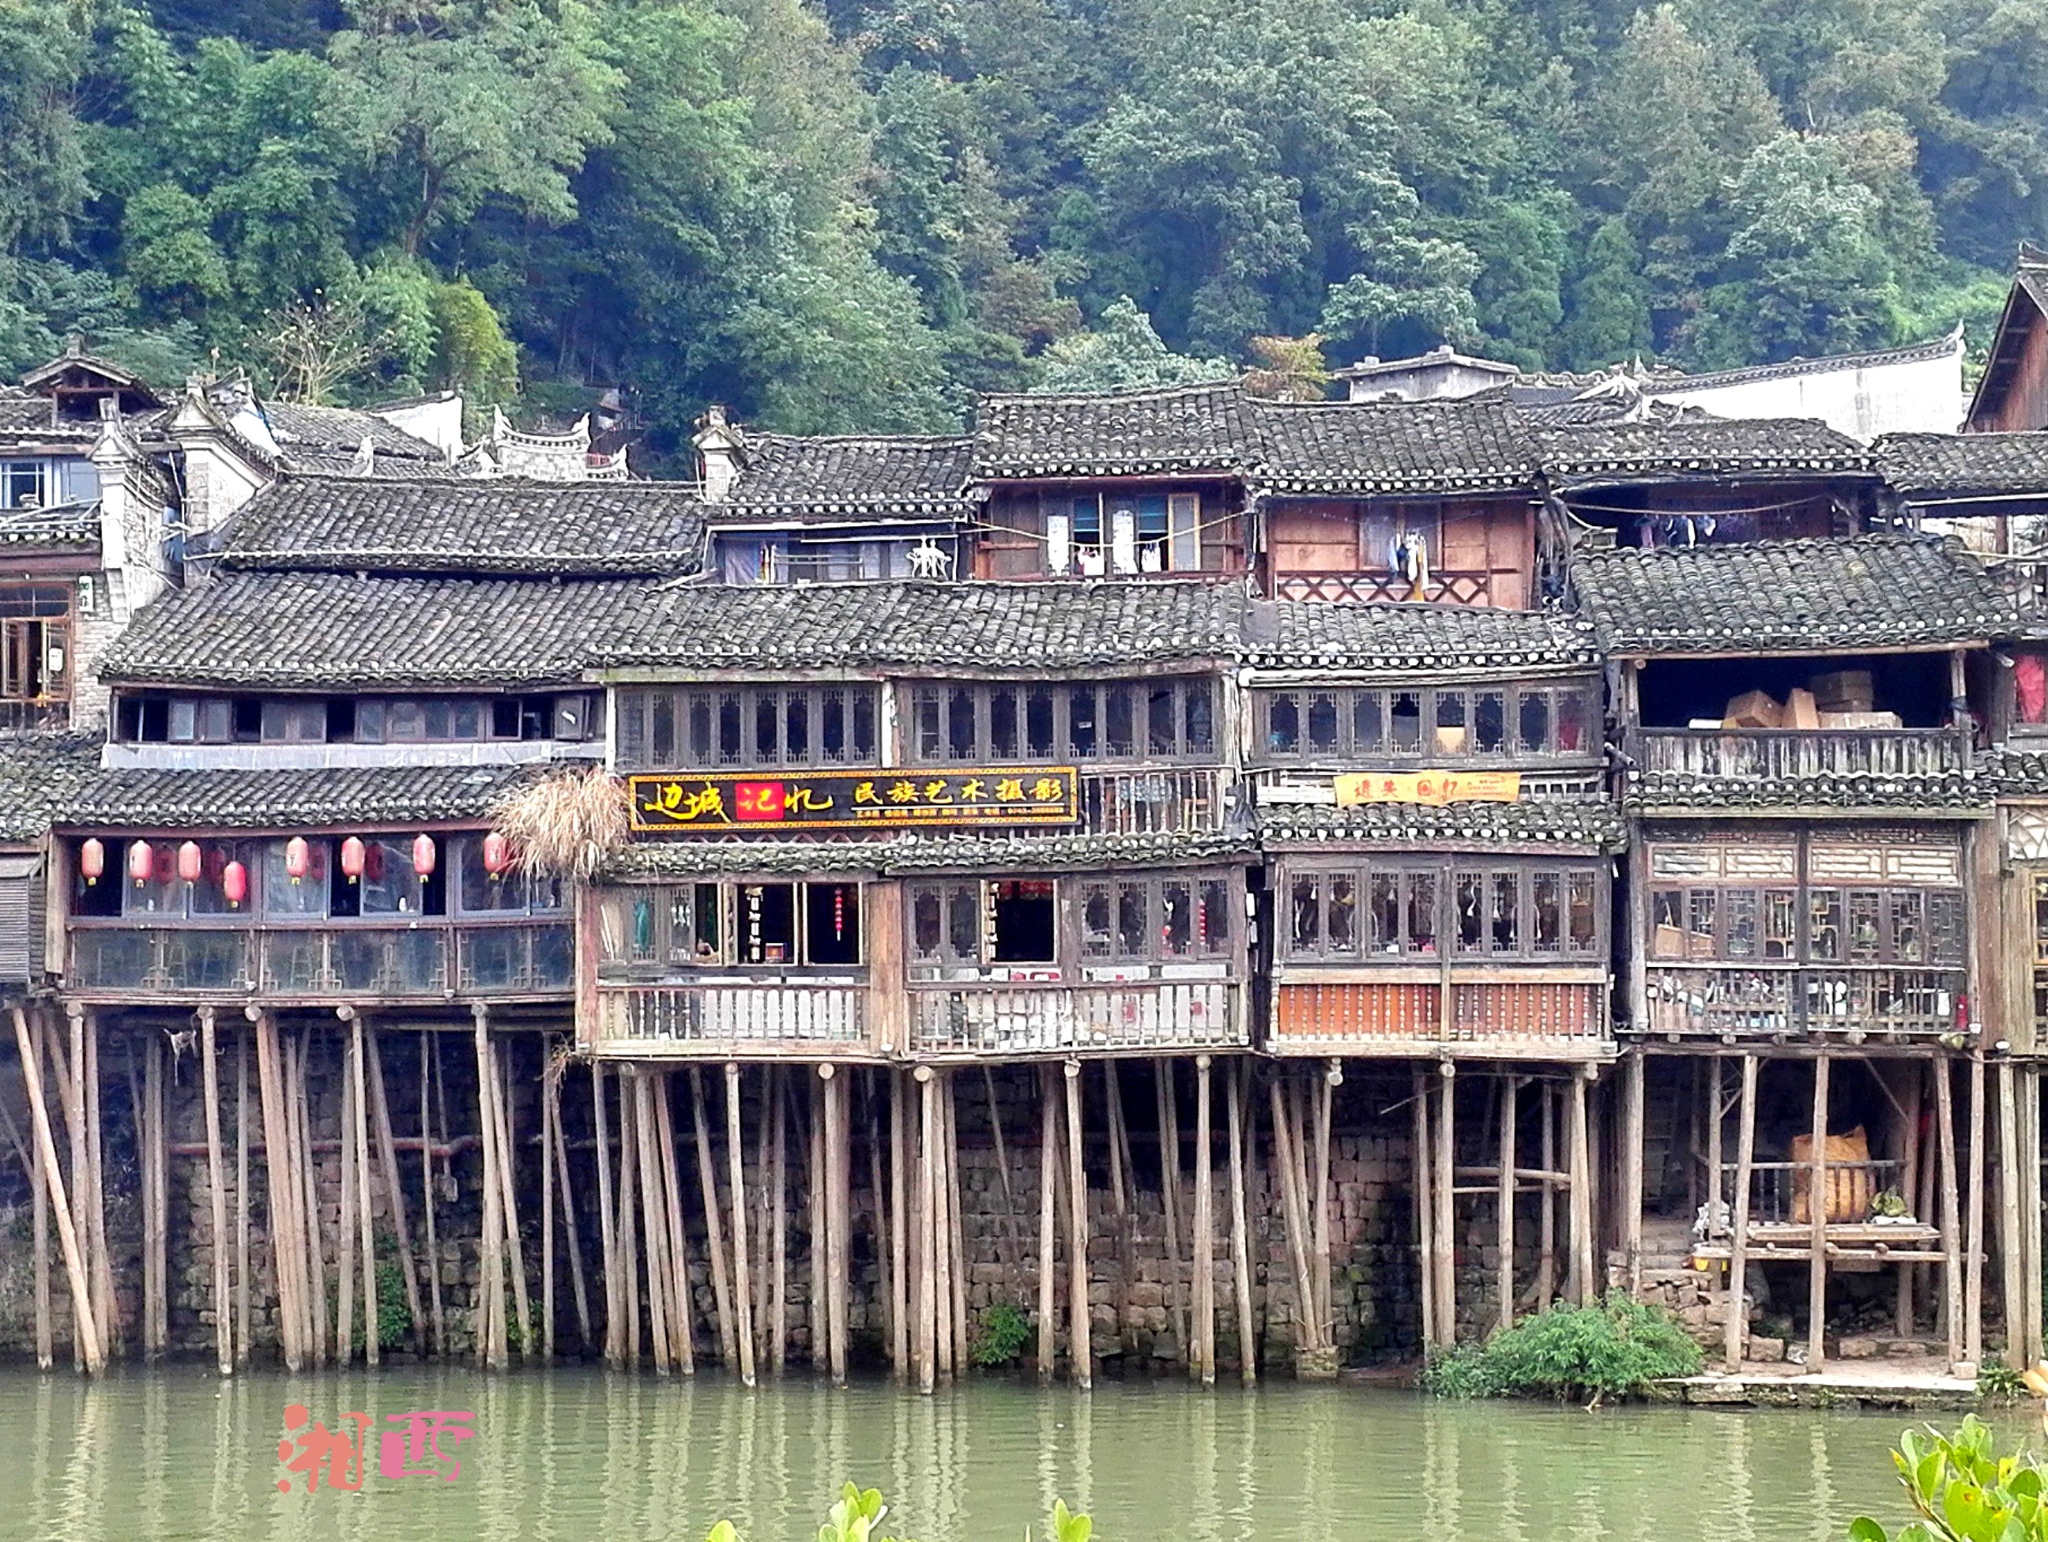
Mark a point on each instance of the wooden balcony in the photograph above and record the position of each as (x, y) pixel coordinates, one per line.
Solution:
(1746, 1001)
(1780, 1225)
(1799, 754)
(1148, 802)
(1443, 587)
(425, 961)
(1077, 1019)
(783, 1018)
(1402, 1011)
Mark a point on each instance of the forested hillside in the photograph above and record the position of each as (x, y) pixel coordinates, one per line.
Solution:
(853, 215)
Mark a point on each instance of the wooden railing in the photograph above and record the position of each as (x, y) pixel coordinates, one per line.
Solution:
(1028, 1019)
(1443, 587)
(1410, 1011)
(1778, 1190)
(39, 712)
(423, 961)
(1142, 802)
(790, 1015)
(1749, 1002)
(1784, 754)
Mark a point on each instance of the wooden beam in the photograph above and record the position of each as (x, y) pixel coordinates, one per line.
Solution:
(40, 1216)
(67, 1236)
(371, 1347)
(1817, 1218)
(577, 1279)
(608, 1240)
(1444, 1229)
(1546, 1223)
(1424, 1189)
(742, 1283)
(714, 1230)
(681, 1296)
(394, 1185)
(430, 1075)
(1504, 1211)
(1632, 1161)
(1205, 1232)
(1579, 1132)
(244, 1306)
(1240, 1245)
(1973, 1286)
(2009, 1247)
(1736, 1312)
(1048, 1307)
(1077, 1263)
(491, 1315)
(1952, 1285)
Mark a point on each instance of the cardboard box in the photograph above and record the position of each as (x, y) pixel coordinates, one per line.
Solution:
(1843, 690)
(1754, 709)
(1800, 710)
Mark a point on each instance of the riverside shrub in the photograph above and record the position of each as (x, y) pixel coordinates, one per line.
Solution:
(1612, 1348)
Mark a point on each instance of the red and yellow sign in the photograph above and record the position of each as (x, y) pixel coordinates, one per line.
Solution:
(1434, 788)
(667, 803)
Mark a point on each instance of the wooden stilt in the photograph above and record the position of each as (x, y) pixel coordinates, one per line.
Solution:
(742, 1289)
(714, 1229)
(607, 1229)
(364, 1214)
(577, 1278)
(813, 1102)
(150, 1151)
(627, 1227)
(1048, 1147)
(2030, 1207)
(682, 1296)
(838, 1200)
(927, 1346)
(941, 1223)
(1123, 1190)
(885, 1290)
(1319, 1198)
(1205, 1231)
(1903, 1315)
(296, 1052)
(104, 1312)
(653, 1223)
(1015, 1253)
(345, 1244)
(160, 1196)
(288, 1255)
(1240, 1242)
(1585, 1287)
(547, 1207)
(1817, 1218)
(1546, 1222)
(508, 1175)
(68, 1239)
(430, 1068)
(778, 1220)
(1504, 1204)
(491, 1349)
(1737, 1306)
(1287, 1164)
(1169, 1194)
(394, 1185)
(2010, 1252)
(1716, 1157)
(1443, 1231)
(956, 1222)
(1424, 1189)
(899, 1225)
(1077, 1263)
(761, 1250)
(1632, 1159)
(1951, 1258)
(244, 1306)
(39, 1181)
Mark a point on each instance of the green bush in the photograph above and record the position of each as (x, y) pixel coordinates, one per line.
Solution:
(1615, 1347)
(1963, 1491)
(1998, 1382)
(1005, 1330)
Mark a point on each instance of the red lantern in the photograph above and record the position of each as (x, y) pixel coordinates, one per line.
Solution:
(497, 854)
(423, 855)
(92, 860)
(298, 858)
(234, 883)
(140, 860)
(353, 858)
(191, 861)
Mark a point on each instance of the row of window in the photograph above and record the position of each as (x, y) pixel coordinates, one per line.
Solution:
(705, 925)
(389, 887)
(1167, 719)
(155, 718)
(751, 727)
(1438, 723)
(1819, 924)
(970, 923)
(1101, 533)
(1384, 912)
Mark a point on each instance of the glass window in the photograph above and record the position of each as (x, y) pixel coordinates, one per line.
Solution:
(389, 885)
(1131, 932)
(1201, 718)
(1420, 892)
(1546, 913)
(1340, 925)
(1407, 722)
(1533, 723)
(1096, 940)
(1366, 717)
(1468, 895)
(1384, 912)
(1212, 925)
(286, 897)
(1504, 914)
(1452, 737)
(1322, 723)
(1283, 723)
(1306, 935)
(1002, 723)
(1585, 917)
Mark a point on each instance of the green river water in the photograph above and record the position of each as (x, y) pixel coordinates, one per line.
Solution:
(573, 1454)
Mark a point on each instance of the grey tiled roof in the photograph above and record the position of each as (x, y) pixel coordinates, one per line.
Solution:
(1960, 464)
(1317, 634)
(299, 426)
(64, 524)
(911, 624)
(225, 798)
(1150, 431)
(662, 860)
(2013, 772)
(451, 525)
(1752, 448)
(840, 477)
(1575, 822)
(1368, 448)
(39, 771)
(27, 418)
(1951, 793)
(340, 631)
(1888, 590)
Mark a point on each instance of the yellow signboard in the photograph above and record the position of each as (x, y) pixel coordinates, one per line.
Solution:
(1435, 788)
(668, 803)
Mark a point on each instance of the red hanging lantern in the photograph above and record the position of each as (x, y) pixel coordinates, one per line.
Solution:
(234, 884)
(92, 860)
(497, 854)
(191, 861)
(423, 855)
(140, 861)
(298, 858)
(354, 858)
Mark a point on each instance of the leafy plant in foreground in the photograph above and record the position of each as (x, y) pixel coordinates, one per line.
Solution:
(859, 1511)
(1963, 1491)
(1614, 1347)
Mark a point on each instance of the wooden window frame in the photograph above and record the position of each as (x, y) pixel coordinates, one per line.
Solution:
(930, 707)
(1942, 909)
(642, 709)
(1493, 876)
(1211, 893)
(1440, 708)
(727, 896)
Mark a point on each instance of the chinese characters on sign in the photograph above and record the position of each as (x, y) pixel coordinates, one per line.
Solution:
(1434, 788)
(908, 797)
(412, 1450)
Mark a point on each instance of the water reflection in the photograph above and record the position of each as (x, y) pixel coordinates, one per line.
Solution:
(574, 1454)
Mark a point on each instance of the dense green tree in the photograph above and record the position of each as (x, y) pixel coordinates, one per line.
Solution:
(43, 48)
(1609, 320)
(1121, 351)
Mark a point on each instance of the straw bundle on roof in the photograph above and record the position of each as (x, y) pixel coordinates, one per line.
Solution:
(569, 825)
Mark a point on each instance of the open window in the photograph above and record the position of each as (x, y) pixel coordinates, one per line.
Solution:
(661, 928)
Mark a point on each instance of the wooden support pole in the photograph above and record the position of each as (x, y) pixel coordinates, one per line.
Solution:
(1546, 1217)
(104, 1312)
(1951, 1259)
(1123, 1190)
(607, 1230)
(430, 1070)
(149, 1144)
(1015, 1254)
(1973, 1287)
(885, 1214)
(1904, 1316)
(547, 1208)
(2010, 1250)
(626, 1227)
(1319, 1177)
(1736, 1315)
(812, 1098)
(927, 1338)
(244, 1306)
(296, 1051)
(1715, 1156)
(714, 1228)
(1424, 1189)
(1169, 1192)
(1633, 1156)
(39, 1180)
(899, 1224)
(941, 1224)
(1077, 1221)
(491, 1349)
(1585, 1287)
(1286, 1161)
(653, 1223)
(1444, 1229)
(955, 1223)
(1240, 1242)
(778, 1221)
(394, 1185)
(1817, 1218)
(68, 1240)
(838, 1228)
(345, 1247)
(761, 1250)
(364, 1213)
(742, 1286)
(1048, 1146)
(287, 1257)
(508, 1175)
(1205, 1231)
(1505, 1205)
(682, 1297)
(2030, 1206)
